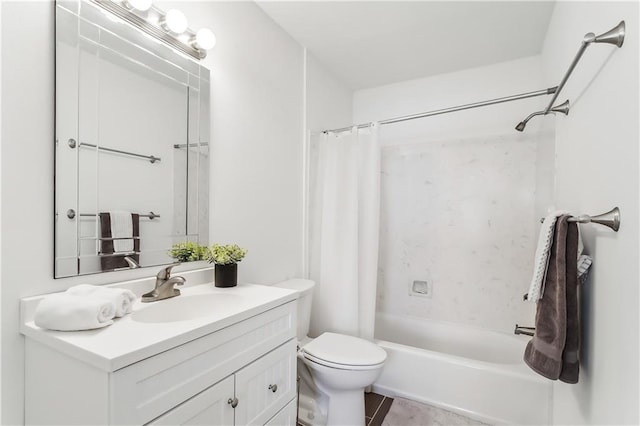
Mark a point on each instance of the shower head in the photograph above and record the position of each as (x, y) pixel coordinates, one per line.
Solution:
(562, 108)
(521, 125)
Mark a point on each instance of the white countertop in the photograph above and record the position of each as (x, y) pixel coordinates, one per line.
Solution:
(128, 341)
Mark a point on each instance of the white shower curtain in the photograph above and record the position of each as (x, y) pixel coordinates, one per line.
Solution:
(344, 220)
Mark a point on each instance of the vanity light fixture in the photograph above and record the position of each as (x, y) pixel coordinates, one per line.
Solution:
(171, 27)
(174, 21)
(141, 5)
(204, 39)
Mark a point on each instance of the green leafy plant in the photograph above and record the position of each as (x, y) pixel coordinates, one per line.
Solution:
(226, 254)
(188, 251)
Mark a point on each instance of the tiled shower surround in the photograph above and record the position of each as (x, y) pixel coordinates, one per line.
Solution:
(459, 214)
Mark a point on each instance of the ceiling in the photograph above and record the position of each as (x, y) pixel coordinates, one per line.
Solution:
(373, 43)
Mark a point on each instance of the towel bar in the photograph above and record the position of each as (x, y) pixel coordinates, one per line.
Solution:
(610, 219)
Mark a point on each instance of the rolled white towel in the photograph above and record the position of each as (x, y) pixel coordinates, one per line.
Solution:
(122, 298)
(68, 312)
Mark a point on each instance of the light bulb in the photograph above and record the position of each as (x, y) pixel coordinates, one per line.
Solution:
(175, 21)
(141, 5)
(205, 39)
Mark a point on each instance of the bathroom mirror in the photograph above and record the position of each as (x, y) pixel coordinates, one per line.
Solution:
(132, 151)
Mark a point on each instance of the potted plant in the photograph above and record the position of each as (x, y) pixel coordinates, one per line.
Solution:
(226, 258)
(188, 251)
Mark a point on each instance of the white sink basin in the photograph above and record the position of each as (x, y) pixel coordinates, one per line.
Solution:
(185, 308)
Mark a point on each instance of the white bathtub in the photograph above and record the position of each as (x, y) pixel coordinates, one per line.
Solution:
(475, 372)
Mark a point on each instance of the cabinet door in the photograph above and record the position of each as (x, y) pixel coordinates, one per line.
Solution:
(209, 407)
(288, 416)
(266, 385)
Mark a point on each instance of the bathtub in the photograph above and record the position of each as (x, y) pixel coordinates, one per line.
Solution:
(475, 372)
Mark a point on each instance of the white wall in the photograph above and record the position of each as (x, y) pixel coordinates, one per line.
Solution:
(257, 112)
(0, 215)
(329, 102)
(597, 169)
(452, 89)
(256, 157)
(461, 194)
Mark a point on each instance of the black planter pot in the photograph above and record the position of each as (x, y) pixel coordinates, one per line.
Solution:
(226, 275)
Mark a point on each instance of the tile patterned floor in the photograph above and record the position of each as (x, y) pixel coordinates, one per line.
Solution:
(405, 412)
(376, 408)
(379, 412)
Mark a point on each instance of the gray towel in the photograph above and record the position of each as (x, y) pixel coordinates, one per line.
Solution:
(553, 350)
(570, 361)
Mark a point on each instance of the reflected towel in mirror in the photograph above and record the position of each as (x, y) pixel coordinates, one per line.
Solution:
(122, 227)
(109, 259)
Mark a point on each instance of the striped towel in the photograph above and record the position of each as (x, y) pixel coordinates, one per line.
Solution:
(122, 227)
(542, 255)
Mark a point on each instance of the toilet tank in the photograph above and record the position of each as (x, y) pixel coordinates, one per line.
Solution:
(305, 291)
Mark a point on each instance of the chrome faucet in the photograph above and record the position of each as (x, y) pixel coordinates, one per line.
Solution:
(132, 263)
(164, 285)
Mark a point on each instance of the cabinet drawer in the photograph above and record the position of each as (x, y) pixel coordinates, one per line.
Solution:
(266, 385)
(209, 407)
(143, 391)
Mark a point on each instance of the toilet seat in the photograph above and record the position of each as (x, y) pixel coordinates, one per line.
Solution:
(337, 366)
(344, 352)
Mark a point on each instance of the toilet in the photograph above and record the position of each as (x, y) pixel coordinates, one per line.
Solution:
(333, 368)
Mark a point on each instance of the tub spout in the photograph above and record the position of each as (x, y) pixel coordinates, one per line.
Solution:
(527, 331)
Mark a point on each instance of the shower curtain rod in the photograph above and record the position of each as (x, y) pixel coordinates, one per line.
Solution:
(549, 91)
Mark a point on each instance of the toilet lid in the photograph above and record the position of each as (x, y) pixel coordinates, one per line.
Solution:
(345, 350)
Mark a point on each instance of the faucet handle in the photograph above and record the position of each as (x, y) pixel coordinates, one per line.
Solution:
(165, 272)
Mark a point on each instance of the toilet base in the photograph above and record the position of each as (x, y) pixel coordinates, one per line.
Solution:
(346, 408)
(312, 403)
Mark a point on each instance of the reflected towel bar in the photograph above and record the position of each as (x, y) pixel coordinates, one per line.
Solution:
(610, 219)
(72, 213)
(191, 145)
(152, 159)
(108, 239)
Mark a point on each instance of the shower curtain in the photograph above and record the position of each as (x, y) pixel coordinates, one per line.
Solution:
(344, 220)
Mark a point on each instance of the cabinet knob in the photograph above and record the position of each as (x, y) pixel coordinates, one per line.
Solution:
(233, 402)
(273, 388)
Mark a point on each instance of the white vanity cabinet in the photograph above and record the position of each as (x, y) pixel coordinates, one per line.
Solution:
(242, 374)
(246, 398)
